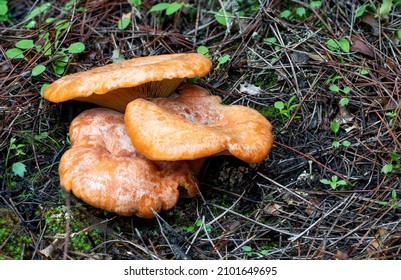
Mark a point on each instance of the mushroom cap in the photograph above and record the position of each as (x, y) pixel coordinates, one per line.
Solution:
(104, 170)
(194, 124)
(115, 85)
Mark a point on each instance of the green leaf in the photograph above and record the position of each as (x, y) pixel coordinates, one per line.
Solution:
(123, 23)
(332, 45)
(3, 9)
(173, 8)
(202, 50)
(335, 144)
(41, 136)
(387, 168)
(247, 248)
(344, 101)
(136, 3)
(24, 44)
(220, 18)
(334, 88)
(300, 11)
(159, 7)
(223, 59)
(399, 34)
(30, 24)
(77, 47)
(315, 4)
(19, 169)
(361, 10)
(337, 44)
(269, 40)
(279, 105)
(59, 70)
(347, 90)
(38, 69)
(341, 183)
(346, 143)
(364, 71)
(42, 89)
(15, 53)
(285, 14)
(394, 156)
(44, 7)
(385, 8)
(325, 181)
(344, 44)
(61, 25)
(335, 126)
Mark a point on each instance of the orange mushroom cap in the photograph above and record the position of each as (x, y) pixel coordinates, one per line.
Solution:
(195, 125)
(115, 85)
(104, 170)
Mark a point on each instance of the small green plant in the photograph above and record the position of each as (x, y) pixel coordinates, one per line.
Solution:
(393, 114)
(335, 127)
(4, 16)
(60, 56)
(220, 60)
(169, 8)
(299, 13)
(250, 252)
(338, 45)
(285, 109)
(124, 22)
(360, 11)
(198, 224)
(394, 165)
(17, 168)
(344, 92)
(334, 182)
(394, 201)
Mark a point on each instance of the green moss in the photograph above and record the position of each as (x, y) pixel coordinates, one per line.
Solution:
(13, 239)
(83, 237)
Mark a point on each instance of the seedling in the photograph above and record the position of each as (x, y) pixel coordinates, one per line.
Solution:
(335, 127)
(220, 61)
(334, 182)
(198, 224)
(393, 202)
(337, 45)
(346, 90)
(4, 17)
(17, 168)
(393, 115)
(169, 8)
(285, 109)
(394, 165)
(250, 252)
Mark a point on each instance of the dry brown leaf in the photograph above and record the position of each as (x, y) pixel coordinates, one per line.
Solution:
(361, 46)
(370, 20)
(344, 116)
(272, 208)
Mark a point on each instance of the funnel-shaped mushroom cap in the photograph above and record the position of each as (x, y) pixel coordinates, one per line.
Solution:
(194, 125)
(115, 85)
(104, 169)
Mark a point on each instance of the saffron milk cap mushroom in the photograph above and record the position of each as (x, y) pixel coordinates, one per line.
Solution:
(194, 124)
(115, 85)
(104, 170)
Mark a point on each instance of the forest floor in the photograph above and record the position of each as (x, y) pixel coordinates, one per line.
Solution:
(326, 74)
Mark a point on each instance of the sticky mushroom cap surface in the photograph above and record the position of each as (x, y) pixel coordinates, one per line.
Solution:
(115, 85)
(104, 170)
(194, 124)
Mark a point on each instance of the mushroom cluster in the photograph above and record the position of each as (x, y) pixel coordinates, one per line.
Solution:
(141, 150)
